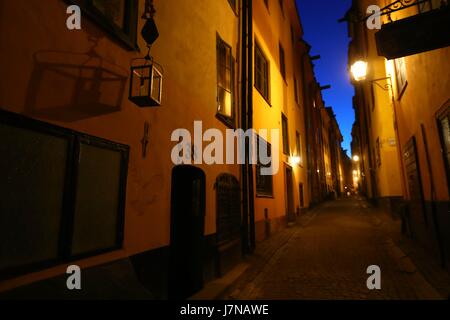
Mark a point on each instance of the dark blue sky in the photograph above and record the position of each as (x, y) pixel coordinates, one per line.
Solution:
(329, 39)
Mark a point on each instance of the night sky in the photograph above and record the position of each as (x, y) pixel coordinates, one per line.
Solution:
(329, 39)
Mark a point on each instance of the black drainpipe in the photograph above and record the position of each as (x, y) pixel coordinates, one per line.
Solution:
(250, 121)
(243, 123)
(248, 217)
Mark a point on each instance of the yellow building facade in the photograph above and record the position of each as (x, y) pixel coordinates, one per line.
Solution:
(409, 116)
(279, 105)
(59, 74)
(376, 115)
(97, 181)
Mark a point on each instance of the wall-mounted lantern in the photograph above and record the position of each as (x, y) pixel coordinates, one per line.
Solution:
(146, 83)
(146, 75)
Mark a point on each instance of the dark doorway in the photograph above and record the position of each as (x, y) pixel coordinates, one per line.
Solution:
(414, 180)
(289, 195)
(301, 192)
(187, 232)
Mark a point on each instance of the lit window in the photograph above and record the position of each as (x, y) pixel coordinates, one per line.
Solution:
(298, 145)
(224, 79)
(400, 76)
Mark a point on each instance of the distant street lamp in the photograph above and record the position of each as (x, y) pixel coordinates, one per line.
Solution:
(356, 158)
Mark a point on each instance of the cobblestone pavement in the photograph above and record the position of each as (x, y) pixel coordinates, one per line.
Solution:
(326, 255)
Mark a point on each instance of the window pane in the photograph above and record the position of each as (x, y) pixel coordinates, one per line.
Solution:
(264, 183)
(445, 127)
(285, 135)
(282, 63)
(224, 79)
(224, 104)
(261, 73)
(33, 172)
(400, 71)
(114, 10)
(97, 199)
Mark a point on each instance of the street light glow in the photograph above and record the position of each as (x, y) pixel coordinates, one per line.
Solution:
(356, 158)
(295, 160)
(359, 70)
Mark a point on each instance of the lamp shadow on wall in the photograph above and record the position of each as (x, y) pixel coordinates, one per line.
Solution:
(69, 86)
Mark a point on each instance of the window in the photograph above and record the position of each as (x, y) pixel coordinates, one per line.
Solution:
(117, 17)
(228, 208)
(233, 4)
(261, 73)
(47, 209)
(429, 5)
(281, 7)
(224, 81)
(292, 35)
(296, 90)
(378, 152)
(285, 133)
(444, 131)
(400, 76)
(264, 183)
(282, 63)
(298, 145)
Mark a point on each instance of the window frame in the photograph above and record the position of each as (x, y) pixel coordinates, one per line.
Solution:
(378, 152)
(293, 36)
(128, 35)
(427, 6)
(234, 4)
(280, 2)
(261, 192)
(298, 145)
(400, 76)
(65, 236)
(227, 120)
(296, 93)
(440, 116)
(285, 135)
(282, 58)
(266, 80)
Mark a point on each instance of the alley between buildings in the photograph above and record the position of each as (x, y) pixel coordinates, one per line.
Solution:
(326, 255)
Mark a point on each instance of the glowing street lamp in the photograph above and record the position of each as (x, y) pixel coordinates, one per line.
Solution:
(359, 70)
(295, 160)
(356, 158)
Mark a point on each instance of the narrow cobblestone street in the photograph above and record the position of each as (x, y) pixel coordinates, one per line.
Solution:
(326, 255)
